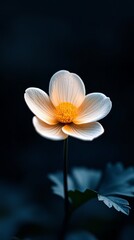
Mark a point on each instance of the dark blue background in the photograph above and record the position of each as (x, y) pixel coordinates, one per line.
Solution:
(94, 39)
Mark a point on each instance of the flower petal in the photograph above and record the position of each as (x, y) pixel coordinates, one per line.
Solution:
(95, 107)
(87, 131)
(66, 87)
(53, 132)
(40, 104)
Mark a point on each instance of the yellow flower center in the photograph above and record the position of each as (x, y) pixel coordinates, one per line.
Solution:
(66, 112)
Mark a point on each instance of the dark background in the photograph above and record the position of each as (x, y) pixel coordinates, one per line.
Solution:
(94, 39)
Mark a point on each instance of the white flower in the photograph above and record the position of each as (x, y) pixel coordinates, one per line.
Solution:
(67, 111)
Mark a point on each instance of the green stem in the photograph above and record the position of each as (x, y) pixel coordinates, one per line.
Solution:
(66, 201)
(65, 171)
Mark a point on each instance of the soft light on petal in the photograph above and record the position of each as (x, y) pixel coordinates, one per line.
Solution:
(66, 87)
(87, 131)
(40, 104)
(95, 107)
(53, 132)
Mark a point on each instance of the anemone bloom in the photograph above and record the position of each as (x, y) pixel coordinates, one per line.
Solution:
(67, 111)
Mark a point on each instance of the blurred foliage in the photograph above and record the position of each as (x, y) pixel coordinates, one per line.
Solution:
(108, 186)
(24, 219)
(80, 235)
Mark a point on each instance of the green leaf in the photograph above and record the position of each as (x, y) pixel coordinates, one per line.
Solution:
(120, 204)
(79, 198)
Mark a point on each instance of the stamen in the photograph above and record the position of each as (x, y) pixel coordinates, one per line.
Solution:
(66, 112)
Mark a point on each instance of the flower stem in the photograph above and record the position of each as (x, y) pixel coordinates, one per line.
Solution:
(66, 202)
(65, 170)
